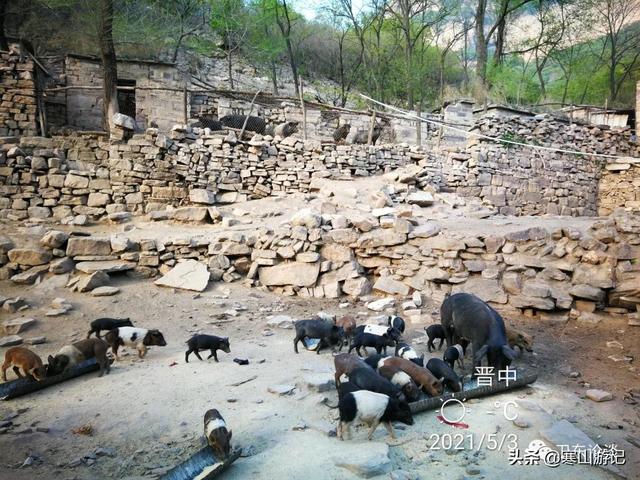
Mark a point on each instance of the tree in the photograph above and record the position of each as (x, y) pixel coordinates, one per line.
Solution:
(283, 18)
(621, 39)
(4, 45)
(109, 64)
(228, 20)
(182, 19)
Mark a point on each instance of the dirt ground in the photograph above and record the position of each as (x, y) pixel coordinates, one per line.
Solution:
(150, 411)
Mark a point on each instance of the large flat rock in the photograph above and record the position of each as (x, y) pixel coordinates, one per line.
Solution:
(292, 273)
(88, 246)
(17, 325)
(364, 460)
(188, 275)
(107, 266)
(29, 256)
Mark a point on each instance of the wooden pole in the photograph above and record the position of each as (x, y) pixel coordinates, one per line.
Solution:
(371, 125)
(185, 104)
(246, 118)
(304, 111)
(419, 127)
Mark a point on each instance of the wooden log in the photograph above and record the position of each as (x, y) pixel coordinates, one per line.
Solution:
(436, 402)
(24, 386)
(194, 466)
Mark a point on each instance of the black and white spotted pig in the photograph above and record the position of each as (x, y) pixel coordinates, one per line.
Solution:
(396, 322)
(453, 353)
(207, 342)
(217, 434)
(70, 355)
(138, 338)
(371, 408)
(404, 350)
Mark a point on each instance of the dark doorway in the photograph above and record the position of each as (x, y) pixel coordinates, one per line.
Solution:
(127, 97)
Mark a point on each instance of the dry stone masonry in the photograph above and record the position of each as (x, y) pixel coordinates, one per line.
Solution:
(18, 112)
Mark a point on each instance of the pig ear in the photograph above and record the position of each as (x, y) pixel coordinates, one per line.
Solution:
(229, 436)
(481, 353)
(508, 352)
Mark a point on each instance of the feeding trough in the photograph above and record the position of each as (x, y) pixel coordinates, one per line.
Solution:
(24, 386)
(470, 391)
(202, 465)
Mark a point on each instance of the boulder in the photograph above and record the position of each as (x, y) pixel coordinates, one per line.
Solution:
(187, 275)
(29, 256)
(336, 253)
(320, 382)
(89, 282)
(368, 462)
(380, 305)
(356, 287)
(307, 218)
(61, 265)
(17, 325)
(422, 199)
(123, 121)
(191, 214)
(297, 274)
(10, 341)
(598, 395)
(425, 230)
(54, 239)
(587, 292)
(200, 195)
(29, 276)
(390, 286)
(599, 276)
(12, 305)
(381, 238)
(82, 246)
(104, 291)
(107, 266)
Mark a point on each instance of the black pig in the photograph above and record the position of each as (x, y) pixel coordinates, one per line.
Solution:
(207, 342)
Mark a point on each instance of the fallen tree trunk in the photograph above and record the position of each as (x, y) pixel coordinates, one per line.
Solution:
(201, 466)
(436, 402)
(24, 386)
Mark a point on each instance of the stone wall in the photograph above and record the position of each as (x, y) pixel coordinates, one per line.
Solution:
(18, 111)
(620, 187)
(558, 273)
(84, 106)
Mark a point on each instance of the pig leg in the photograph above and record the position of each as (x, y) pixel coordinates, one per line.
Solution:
(17, 371)
(4, 371)
(390, 429)
(295, 344)
(213, 354)
(197, 352)
(114, 349)
(186, 355)
(441, 342)
(90, 332)
(339, 430)
(142, 350)
(374, 425)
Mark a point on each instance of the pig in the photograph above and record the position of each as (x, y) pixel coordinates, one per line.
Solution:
(453, 353)
(348, 324)
(217, 434)
(397, 323)
(347, 387)
(328, 333)
(70, 355)
(401, 380)
(427, 382)
(374, 360)
(435, 331)
(21, 358)
(387, 337)
(346, 363)
(405, 350)
(467, 316)
(138, 338)
(371, 408)
(108, 324)
(207, 342)
(368, 379)
(441, 369)
(517, 338)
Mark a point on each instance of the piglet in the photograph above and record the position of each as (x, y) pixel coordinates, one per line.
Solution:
(405, 350)
(328, 333)
(217, 434)
(108, 324)
(435, 332)
(21, 358)
(371, 408)
(70, 355)
(441, 370)
(207, 342)
(397, 323)
(453, 353)
(138, 338)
